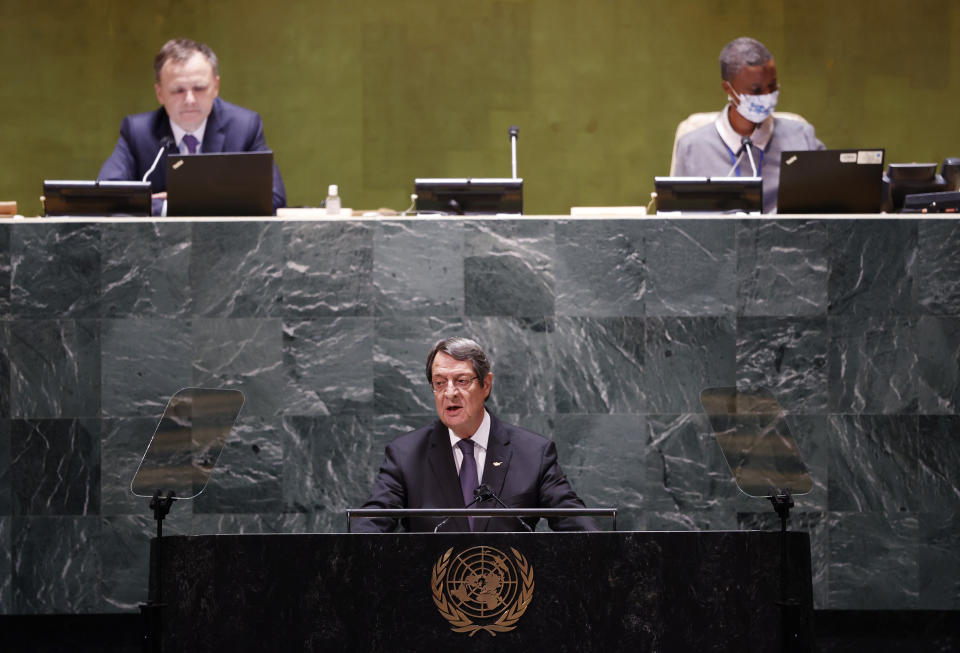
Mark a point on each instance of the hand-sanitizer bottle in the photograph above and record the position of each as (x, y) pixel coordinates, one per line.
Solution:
(333, 200)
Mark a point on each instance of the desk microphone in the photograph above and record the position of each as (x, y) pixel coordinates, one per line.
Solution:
(483, 493)
(514, 132)
(739, 156)
(165, 142)
(479, 494)
(748, 144)
(490, 494)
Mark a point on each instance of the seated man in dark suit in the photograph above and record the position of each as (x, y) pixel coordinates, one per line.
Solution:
(192, 119)
(436, 466)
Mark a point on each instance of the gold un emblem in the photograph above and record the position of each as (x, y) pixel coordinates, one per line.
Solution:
(482, 589)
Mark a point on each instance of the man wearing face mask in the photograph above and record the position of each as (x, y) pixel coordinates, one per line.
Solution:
(749, 78)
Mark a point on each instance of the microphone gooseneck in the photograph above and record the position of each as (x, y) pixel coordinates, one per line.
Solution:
(165, 142)
(747, 144)
(483, 493)
(514, 135)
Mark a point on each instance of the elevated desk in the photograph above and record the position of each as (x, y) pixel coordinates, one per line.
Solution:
(627, 591)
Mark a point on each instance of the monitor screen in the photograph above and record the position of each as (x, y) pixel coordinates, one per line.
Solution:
(477, 196)
(96, 198)
(709, 194)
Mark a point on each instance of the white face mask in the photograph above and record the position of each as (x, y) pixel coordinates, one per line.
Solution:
(756, 108)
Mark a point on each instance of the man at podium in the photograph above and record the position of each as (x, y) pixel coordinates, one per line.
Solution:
(440, 465)
(192, 119)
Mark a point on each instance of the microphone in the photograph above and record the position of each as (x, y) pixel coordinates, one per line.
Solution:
(514, 132)
(748, 144)
(490, 494)
(737, 160)
(477, 496)
(165, 142)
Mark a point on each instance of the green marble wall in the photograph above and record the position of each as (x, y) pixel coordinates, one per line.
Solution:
(370, 94)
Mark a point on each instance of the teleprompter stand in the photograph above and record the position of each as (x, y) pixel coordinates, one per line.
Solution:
(765, 461)
(176, 465)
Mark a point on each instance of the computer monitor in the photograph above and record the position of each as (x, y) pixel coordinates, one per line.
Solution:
(910, 179)
(709, 194)
(220, 184)
(831, 181)
(469, 196)
(83, 198)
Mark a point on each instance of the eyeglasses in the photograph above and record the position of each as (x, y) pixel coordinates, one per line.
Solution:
(460, 383)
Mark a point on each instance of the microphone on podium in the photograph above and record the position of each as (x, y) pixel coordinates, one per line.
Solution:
(746, 143)
(165, 142)
(514, 132)
(484, 493)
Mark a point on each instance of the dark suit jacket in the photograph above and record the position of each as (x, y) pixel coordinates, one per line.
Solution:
(419, 472)
(229, 129)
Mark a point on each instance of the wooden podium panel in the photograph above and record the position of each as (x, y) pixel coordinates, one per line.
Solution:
(608, 591)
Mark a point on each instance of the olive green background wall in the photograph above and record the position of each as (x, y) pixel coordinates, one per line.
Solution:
(372, 93)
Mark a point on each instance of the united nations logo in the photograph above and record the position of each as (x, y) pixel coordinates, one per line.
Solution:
(482, 589)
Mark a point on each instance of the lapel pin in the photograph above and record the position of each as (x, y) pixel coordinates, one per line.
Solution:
(497, 463)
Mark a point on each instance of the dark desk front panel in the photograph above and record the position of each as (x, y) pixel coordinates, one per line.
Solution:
(636, 591)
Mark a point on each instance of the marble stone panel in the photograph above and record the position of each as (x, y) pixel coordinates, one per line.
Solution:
(938, 463)
(249, 523)
(873, 561)
(600, 268)
(604, 457)
(399, 361)
(55, 467)
(873, 365)
(328, 366)
(938, 560)
(600, 365)
(788, 356)
(782, 267)
(55, 270)
(236, 269)
(6, 477)
(5, 273)
(812, 435)
(248, 476)
(873, 267)
(691, 267)
(327, 269)
(143, 363)
(687, 477)
(145, 270)
(938, 364)
(508, 269)
(684, 355)
(329, 462)
(5, 369)
(873, 464)
(522, 361)
(56, 565)
(242, 354)
(419, 268)
(122, 445)
(939, 266)
(54, 368)
(6, 565)
(123, 544)
(714, 518)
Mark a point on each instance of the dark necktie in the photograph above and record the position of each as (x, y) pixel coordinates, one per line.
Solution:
(191, 142)
(468, 474)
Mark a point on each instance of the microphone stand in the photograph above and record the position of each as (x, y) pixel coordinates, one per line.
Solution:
(748, 144)
(514, 132)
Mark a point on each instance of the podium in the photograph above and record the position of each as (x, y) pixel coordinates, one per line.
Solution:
(598, 591)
